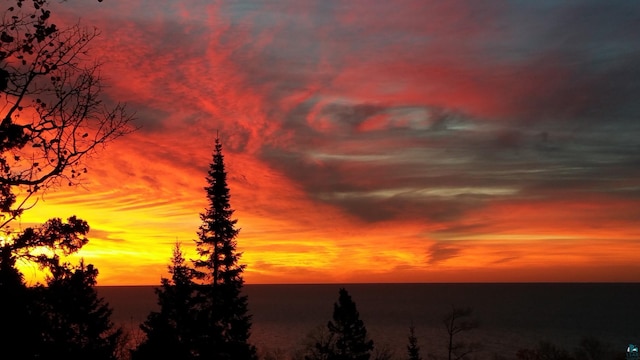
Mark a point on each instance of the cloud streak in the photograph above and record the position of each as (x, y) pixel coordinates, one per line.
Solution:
(419, 140)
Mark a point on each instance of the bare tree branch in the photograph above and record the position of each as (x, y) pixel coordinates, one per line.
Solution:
(52, 113)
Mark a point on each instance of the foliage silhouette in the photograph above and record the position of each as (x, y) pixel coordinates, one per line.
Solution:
(203, 313)
(19, 316)
(351, 335)
(51, 120)
(53, 116)
(76, 321)
(348, 338)
(168, 331)
(21, 306)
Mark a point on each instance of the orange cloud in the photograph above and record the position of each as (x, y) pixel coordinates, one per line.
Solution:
(364, 143)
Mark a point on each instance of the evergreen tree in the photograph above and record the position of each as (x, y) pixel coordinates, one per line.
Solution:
(349, 332)
(413, 349)
(168, 330)
(223, 322)
(76, 322)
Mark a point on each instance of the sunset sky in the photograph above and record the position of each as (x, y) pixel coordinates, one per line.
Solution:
(369, 141)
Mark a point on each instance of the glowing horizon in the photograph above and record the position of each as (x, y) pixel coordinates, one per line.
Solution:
(412, 141)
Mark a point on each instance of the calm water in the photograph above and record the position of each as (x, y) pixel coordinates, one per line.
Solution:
(511, 316)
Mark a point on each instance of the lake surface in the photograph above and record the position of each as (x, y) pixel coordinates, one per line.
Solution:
(510, 316)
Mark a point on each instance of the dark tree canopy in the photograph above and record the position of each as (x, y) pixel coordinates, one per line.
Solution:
(349, 333)
(19, 305)
(17, 310)
(56, 235)
(169, 331)
(52, 117)
(76, 321)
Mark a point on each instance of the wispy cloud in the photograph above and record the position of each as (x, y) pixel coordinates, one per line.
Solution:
(483, 132)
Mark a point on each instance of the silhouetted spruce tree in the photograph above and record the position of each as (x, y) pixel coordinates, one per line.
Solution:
(223, 322)
(168, 331)
(76, 322)
(349, 333)
(413, 349)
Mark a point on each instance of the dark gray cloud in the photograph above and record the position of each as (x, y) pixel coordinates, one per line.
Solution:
(441, 251)
(486, 121)
(451, 162)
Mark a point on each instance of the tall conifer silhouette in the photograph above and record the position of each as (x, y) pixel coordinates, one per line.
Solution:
(223, 321)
